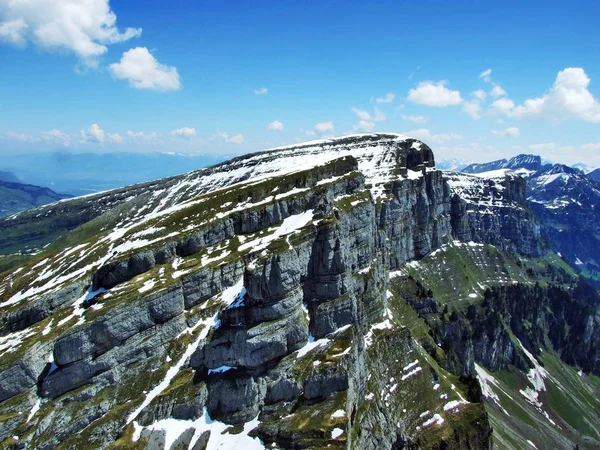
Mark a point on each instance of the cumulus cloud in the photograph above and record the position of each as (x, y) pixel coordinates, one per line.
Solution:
(261, 91)
(143, 71)
(96, 134)
(486, 75)
(512, 132)
(434, 94)
(56, 136)
(568, 99)
(497, 91)
(479, 94)
(472, 109)
(141, 137)
(83, 28)
(416, 119)
(184, 132)
(324, 127)
(12, 136)
(231, 138)
(387, 98)
(276, 125)
(502, 106)
(426, 136)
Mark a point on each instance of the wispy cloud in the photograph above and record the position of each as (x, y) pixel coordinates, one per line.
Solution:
(512, 132)
(387, 98)
(231, 138)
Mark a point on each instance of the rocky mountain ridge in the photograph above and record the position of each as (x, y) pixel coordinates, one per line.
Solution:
(523, 162)
(253, 302)
(567, 203)
(15, 197)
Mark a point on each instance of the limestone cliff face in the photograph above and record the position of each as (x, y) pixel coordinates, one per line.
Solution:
(257, 288)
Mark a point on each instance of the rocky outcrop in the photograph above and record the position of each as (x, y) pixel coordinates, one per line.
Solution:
(268, 298)
(494, 211)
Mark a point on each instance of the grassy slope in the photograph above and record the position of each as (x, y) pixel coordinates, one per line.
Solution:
(571, 400)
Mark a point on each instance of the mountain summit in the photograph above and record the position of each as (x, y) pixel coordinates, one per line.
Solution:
(341, 293)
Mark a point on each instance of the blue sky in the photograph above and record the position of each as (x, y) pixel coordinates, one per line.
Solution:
(474, 80)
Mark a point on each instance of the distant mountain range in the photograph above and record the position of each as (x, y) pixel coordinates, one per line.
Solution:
(567, 204)
(519, 162)
(8, 176)
(85, 173)
(343, 293)
(15, 197)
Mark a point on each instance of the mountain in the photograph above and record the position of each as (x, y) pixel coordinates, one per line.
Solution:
(341, 293)
(567, 203)
(8, 177)
(451, 164)
(85, 173)
(595, 174)
(524, 164)
(15, 197)
(584, 168)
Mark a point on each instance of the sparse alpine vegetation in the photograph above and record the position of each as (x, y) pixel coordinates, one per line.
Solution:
(341, 293)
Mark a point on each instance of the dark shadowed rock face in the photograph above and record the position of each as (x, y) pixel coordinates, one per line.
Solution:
(256, 293)
(567, 203)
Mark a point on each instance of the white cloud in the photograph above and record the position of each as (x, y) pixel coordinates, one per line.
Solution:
(416, 119)
(377, 115)
(363, 115)
(84, 28)
(367, 120)
(185, 132)
(472, 109)
(12, 136)
(502, 106)
(261, 91)
(307, 132)
(568, 99)
(543, 147)
(98, 135)
(426, 136)
(591, 146)
(324, 127)
(434, 94)
(231, 138)
(56, 135)
(497, 91)
(276, 125)
(364, 125)
(387, 98)
(486, 75)
(512, 132)
(479, 94)
(140, 136)
(143, 71)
